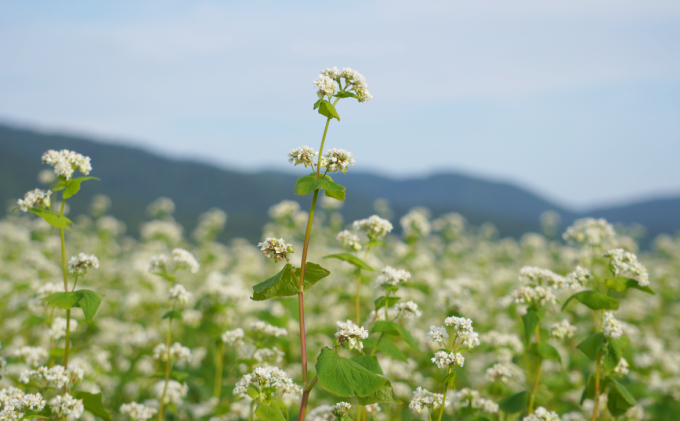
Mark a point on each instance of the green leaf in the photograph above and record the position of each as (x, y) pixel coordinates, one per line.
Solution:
(380, 301)
(531, 320)
(65, 300)
(546, 352)
(268, 412)
(594, 300)
(172, 314)
(179, 376)
(619, 399)
(309, 183)
(285, 283)
(613, 354)
(350, 258)
(449, 379)
(385, 394)
(89, 302)
(592, 344)
(346, 94)
(621, 284)
(327, 109)
(253, 392)
(53, 218)
(395, 329)
(93, 404)
(376, 243)
(45, 413)
(388, 347)
(317, 103)
(515, 403)
(346, 378)
(368, 362)
(283, 407)
(73, 185)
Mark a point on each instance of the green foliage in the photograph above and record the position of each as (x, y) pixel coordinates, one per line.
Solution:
(592, 345)
(380, 302)
(449, 379)
(345, 94)
(72, 186)
(352, 259)
(531, 319)
(368, 362)
(87, 300)
(309, 183)
(515, 403)
(621, 284)
(619, 399)
(269, 411)
(613, 354)
(546, 352)
(172, 314)
(594, 300)
(52, 218)
(286, 282)
(387, 347)
(93, 404)
(326, 109)
(395, 329)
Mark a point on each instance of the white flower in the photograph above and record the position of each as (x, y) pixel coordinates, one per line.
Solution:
(174, 393)
(340, 409)
(321, 413)
(533, 296)
(14, 403)
(177, 352)
(326, 86)
(232, 337)
(422, 398)
(137, 412)
(333, 73)
(351, 333)
(374, 226)
(79, 264)
(163, 206)
(464, 333)
(33, 356)
(408, 309)
(624, 263)
(563, 329)
(56, 376)
(357, 82)
(277, 249)
(284, 210)
(540, 276)
(179, 293)
(263, 328)
(272, 356)
(466, 397)
(590, 232)
(509, 340)
(35, 199)
(58, 328)
(192, 317)
(504, 372)
(611, 327)
(621, 368)
(578, 278)
(338, 159)
(303, 155)
(437, 334)
(372, 408)
(65, 162)
(184, 258)
(159, 264)
(268, 377)
(443, 359)
(67, 406)
(542, 414)
(416, 223)
(349, 240)
(391, 276)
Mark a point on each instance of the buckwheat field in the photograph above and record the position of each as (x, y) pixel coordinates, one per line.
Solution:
(419, 318)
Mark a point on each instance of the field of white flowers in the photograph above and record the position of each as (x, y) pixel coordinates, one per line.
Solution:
(328, 319)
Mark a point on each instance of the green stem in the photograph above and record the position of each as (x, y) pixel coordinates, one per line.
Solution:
(375, 347)
(64, 273)
(598, 372)
(446, 389)
(358, 297)
(252, 406)
(219, 361)
(167, 369)
(532, 398)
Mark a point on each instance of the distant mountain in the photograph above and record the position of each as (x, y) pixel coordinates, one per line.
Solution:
(133, 178)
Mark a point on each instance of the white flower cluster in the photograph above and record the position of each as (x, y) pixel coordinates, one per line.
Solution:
(268, 377)
(437, 334)
(159, 264)
(503, 372)
(283, 210)
(533, 296)
(507, 340)
(590, 232)
(272, 356)
(163, 206)
(33, 355)
(233, 337)
(55, 376)
(277, 249)
(391, 276)
(423, 398)
(466, 397)
(65, 162)
(578, 278)
(540, 276)
(264, 328)
(353, 79)
(14, 403)
(326, 86)
(408, 310)
(624, 263)
(35, 199)
(621, 368)
(67, 406)
(463, 331)
(137, 411)
(416, 223)
(337, 160)
(184, 258)
(374, 226)
(611, 327)
(303, 155)
(210, 224)
(443, 359)
(79, 264)
(179, 293)
(542, 414)
(341, 409)
(562, 329)
(58, 328)
(351, 333)
(177, 352)
(321, 413)
(349, 240)
(174, 393)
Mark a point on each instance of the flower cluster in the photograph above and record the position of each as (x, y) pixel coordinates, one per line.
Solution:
(65, 162)
(179, 294)
(277, 249)
(67, 406)
(303, 155)
(443, 359)
(590, 232)
(611, 327)
(466, 397)
(263, 328)
(337, 160)
(137, 412)
(58, 327)
(35, 199)
(578, 278)
(33, 355)
(374, 226)
(504, 372)
(409, 309)
(329, 80)
(349, 240)
(233, 337)
(624, 263)
(341, 409)
(183, 258)
(14, 403)
(268, 377)
(423, 398)
(542, 414)
(437, 334)
(539, 276)
(177, 352)
(463, 332)
(174, 391)
(326, 86)
(78, 265)
(533, 296)
(392, 277)
(351, 333)
(562, 329)
(56, 376)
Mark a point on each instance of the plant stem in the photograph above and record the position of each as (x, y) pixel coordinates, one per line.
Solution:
(357, 300)
(252, 406)
(598, 370)
(67, 339)
(532, 398)
(167, 369)
(219, 361)
(375, 347)
(446, 389)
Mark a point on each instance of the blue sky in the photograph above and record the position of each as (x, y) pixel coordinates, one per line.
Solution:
(578, 101)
